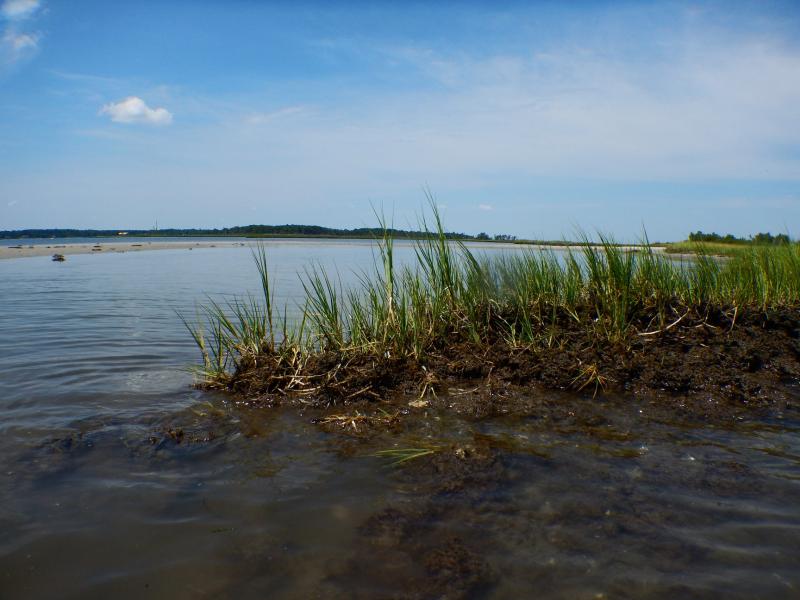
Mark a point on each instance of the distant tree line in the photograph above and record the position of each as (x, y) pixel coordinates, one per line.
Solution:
(759, 238)
(498, 238)
(242, 231)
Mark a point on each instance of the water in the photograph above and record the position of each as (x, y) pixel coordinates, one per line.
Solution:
(98, 498)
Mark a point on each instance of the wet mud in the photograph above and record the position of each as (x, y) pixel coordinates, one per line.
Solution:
(716, 366)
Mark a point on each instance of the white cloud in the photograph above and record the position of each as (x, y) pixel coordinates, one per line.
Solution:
(12, 203)
(261, 118)
(486, 207)
(134, 110)
(19, 9)
(86, 78)
(19, 42)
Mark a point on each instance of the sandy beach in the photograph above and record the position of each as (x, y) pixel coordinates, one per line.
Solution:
(23, 250)
(28, 250)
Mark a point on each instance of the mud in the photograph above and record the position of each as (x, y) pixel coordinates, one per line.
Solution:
(716, 365)
(413, 547)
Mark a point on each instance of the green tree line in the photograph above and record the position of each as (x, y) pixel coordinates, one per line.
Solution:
(759, 238)
(240, 231)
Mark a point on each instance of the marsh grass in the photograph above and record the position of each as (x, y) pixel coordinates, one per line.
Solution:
(450, 296)
(712, 248)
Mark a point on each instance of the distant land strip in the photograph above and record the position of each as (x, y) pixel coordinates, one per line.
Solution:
(710, 243)
(263, 231)
(242, 231)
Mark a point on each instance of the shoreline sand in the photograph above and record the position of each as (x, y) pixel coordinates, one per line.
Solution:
(67, 249)
(23, 250)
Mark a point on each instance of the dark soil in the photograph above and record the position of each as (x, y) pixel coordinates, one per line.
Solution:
(715, 363)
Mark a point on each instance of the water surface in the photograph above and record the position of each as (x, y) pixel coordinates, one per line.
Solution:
(98, 498)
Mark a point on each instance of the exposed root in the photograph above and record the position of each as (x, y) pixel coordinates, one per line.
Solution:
(668, 327)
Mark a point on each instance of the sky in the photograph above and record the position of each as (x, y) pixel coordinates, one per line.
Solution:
(534, 119)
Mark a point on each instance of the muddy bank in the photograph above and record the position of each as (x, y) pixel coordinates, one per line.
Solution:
(720, 363)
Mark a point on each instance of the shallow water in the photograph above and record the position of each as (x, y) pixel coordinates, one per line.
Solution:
(98, 498)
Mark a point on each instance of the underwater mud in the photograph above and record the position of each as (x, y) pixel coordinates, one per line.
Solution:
(560, 496)
(410, 549)
(584, 500)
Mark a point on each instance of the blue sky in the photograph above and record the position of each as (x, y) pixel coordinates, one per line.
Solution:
(524, 118)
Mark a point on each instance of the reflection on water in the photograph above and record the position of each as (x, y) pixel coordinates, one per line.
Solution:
(119, 479)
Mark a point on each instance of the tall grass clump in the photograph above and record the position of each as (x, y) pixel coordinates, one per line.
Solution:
(245, 333)
(451, 297)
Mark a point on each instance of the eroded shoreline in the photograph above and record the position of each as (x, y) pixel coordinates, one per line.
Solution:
(708, 368)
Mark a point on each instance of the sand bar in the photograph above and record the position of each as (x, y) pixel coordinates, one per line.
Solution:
(23, 250)
(27, 250)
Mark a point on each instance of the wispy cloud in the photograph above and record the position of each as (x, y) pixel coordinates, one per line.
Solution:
(260, 118)
(16, 44)
(19, 9)
(104, 133)
(570, 124)
(134, 110)
(86, 78)
(20, 42)
(711, 108)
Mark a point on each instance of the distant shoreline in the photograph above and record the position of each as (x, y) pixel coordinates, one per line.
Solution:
(274, 231)
(66, 248)
(298, 231)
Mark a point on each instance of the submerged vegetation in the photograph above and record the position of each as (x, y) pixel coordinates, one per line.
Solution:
(399, 456)
(585, 319)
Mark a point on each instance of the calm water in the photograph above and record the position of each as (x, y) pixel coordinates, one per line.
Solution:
(97, 500)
